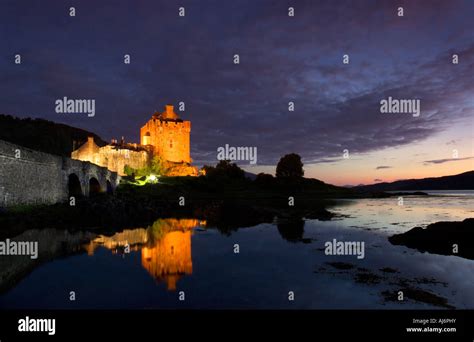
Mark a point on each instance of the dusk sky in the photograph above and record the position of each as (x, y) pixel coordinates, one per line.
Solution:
(282, 59)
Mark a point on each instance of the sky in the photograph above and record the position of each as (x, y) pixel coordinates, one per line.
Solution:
(337, 126)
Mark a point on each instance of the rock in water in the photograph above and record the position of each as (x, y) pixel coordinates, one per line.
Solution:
(446, 238)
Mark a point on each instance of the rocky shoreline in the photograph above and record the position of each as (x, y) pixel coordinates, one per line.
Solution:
(446, 238)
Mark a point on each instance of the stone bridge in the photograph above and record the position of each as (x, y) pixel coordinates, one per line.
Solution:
(85, 178)
(32, 177)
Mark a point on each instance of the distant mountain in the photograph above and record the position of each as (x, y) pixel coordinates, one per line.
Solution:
(351, 186)
(45, 136)
(463, 181)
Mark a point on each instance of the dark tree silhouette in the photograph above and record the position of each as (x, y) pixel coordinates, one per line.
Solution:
(290, 166)
(224, 169)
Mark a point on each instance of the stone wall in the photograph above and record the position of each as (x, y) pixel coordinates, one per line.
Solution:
(112, 157)
(33, 177)
(116, 159)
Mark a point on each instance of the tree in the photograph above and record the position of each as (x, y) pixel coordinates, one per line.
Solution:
(129, 171)
(159, 166)
(224, 169)
(290, 166)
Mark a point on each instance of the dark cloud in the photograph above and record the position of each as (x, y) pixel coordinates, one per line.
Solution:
(383, 167)
(442, 161)
(282, 59)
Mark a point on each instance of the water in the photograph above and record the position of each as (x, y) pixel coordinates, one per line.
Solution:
(183, 259)
(468, 193)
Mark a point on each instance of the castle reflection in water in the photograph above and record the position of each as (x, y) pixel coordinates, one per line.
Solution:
(165, 247)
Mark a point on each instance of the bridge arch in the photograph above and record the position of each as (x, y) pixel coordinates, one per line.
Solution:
(74, 186)
(93, 179)
(94, 186)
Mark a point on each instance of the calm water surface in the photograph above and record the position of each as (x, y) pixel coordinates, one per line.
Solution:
(182, 256)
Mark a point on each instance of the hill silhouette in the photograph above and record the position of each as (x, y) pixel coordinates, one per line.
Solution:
(462, 181)
(43, 135)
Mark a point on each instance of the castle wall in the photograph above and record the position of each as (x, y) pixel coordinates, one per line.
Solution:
(86, 151)
(116, 159)
(170, 139)
(111, 157)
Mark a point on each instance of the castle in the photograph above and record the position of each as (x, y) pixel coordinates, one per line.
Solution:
(165, 136)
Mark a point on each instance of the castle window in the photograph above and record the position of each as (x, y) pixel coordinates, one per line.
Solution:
(147, 139)
(171, 143)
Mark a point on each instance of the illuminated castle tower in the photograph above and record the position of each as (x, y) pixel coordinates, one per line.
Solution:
(168, 135)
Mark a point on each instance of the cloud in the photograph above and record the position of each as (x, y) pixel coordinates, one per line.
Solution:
(442, 161)
(377, 180)
(383, 167)
(281, 60)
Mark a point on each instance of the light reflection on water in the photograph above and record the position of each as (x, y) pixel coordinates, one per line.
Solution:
(165, 247)
(176, 256)
(388, 217)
